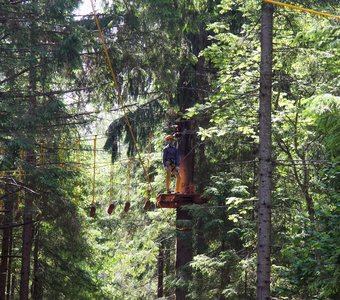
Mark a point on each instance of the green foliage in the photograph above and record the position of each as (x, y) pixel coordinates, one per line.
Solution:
(36, 37)
(142, 121)
(313, 259)
(324, 109)
(69, 50)
(159, 54)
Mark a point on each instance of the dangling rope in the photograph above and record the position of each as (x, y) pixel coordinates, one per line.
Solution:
(303, 9)
(112, 205)
(21, 178)
(127, 201)
(147, 188)
(62, 153)
(42, 154)
(93, 208)
(76, 192)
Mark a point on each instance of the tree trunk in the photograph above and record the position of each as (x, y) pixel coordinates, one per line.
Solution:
(9, 293)
(27, 240)
(168, 266)
(265, 156)
(37, 291)
(6, 245)
(13, 285)
(201, 247)
(183, 252)
(27, 233)
(160, 270)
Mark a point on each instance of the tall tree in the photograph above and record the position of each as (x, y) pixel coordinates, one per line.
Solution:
(6, 242)
(42, 49)
(265, 155)
(27, 233)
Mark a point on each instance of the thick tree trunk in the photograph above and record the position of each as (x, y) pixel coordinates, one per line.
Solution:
(191, 89)
(13, 286)
(168, 266)
(160, 270)
(9, 272)
(27, 240)
(265, 156)
(9, 294)
(6, 245)
(37, 291)
(183, 252)
(183, 219)
(201, 247)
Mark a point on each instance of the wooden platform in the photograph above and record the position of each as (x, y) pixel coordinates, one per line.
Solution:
(176, 200)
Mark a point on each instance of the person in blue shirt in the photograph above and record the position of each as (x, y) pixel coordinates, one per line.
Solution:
(171, 163)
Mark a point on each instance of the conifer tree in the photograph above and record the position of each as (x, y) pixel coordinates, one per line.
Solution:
(265, 156)
(41, 47)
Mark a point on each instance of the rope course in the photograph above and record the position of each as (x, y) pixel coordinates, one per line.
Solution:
(303, 9)
(122, 105)
(45, 153)
(120, 98)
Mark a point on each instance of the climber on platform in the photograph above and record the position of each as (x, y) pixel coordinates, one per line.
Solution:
(171, 163)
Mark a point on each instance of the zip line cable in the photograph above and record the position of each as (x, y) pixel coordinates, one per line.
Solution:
(303, 9)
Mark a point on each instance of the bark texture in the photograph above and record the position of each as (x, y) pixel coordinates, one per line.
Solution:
(265, 156)
(6, 246)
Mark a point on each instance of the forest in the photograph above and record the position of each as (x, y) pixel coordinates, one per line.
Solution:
(248, 94)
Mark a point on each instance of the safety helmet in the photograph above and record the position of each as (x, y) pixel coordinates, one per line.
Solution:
(169, 137)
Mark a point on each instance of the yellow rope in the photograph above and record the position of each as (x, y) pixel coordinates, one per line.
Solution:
(147, 189)
(303, 9)
(21, 174)
(127, 201)
(76, 192)
(111, 181)
(120, 98)
(128, 181)
(62, 153)
(42, 154)
(94, 168)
